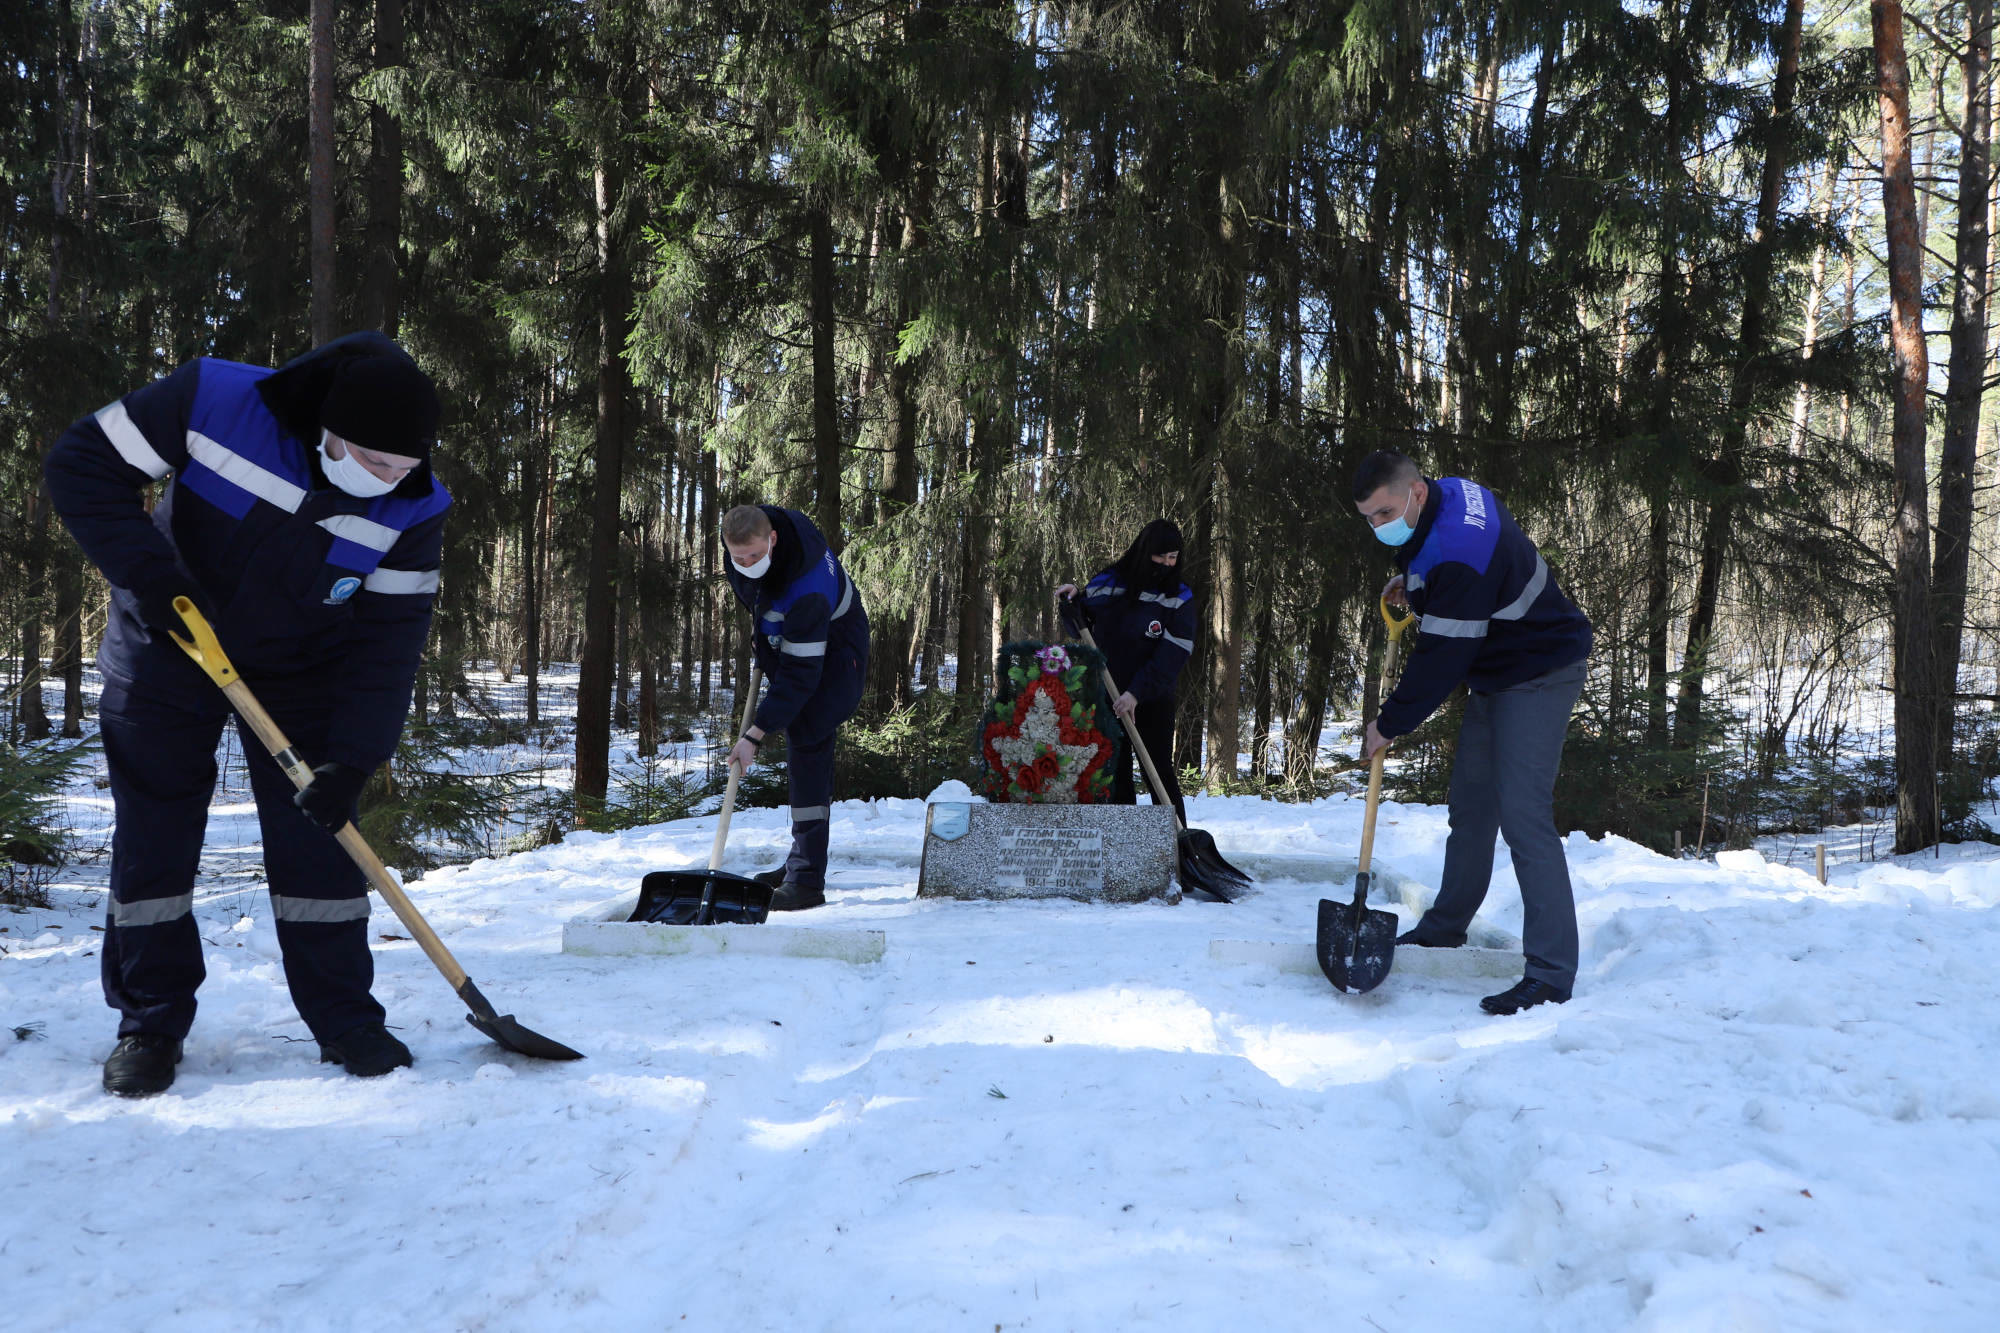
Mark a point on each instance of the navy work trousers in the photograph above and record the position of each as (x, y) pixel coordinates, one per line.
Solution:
(1154, 721)
(1503, 781)
(809, 762)
(159, 744)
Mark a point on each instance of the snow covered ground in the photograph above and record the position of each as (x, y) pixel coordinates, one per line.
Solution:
(1771, 1105)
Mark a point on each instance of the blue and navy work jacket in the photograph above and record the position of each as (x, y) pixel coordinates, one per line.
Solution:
(1146, 638)
(1491, 613)
(304, 579)
(811, 635)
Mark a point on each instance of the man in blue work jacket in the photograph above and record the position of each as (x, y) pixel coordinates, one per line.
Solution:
(303, 520)
(810, 636)
(1492, 618)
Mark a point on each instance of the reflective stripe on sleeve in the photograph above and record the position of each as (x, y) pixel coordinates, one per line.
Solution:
(411, 581)
(846, 601)
(130, 441)
(1162, 599)
(1185, 645)
(1447, 628)
(802, 649)
(1517, 608)
(152, 911)
(319, 910)
(361, 531)
(239, 471)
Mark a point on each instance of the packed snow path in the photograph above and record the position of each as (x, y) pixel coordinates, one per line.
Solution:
(1771, 1105)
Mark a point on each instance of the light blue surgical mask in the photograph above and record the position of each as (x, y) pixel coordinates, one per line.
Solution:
(1398, 530)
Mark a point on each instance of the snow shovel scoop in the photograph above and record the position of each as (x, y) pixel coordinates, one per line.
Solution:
(208, 655)
(1357, 943)
(712, 896)
(1202, 864)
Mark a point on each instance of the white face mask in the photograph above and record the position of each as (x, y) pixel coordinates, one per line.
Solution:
(347, 473)
(757, 570)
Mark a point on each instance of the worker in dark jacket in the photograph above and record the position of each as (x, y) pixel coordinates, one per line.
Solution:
(302, 519)
(1493, 619)
(1142, 618)
(810, 636)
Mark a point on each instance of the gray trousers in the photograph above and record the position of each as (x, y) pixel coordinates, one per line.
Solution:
(1503, 781)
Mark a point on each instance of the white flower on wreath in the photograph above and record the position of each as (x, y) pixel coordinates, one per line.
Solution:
(1042, 727)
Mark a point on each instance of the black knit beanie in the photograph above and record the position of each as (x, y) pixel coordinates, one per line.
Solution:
(383, 403)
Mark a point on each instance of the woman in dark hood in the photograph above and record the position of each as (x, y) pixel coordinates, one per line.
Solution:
(1142, 617)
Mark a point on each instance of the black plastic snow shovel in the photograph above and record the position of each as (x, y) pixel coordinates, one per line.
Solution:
(502, 1028)
(713, 896)
(1202, 863)
(1357, 943)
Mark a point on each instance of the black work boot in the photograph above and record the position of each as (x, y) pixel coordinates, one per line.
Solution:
(142, 1065)
(770, 879)
(368, 1051)
(796, 897)
(1525, 994)
(1409, 938)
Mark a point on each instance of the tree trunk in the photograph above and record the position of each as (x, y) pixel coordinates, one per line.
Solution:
(1915, 663)
(710, 646)
(1727, 472)
(319, 134)
(649, 696)
(1302, 735)
(974, 559)
(1260, 731)
(1958, 451)
(1815, 297)
(531, 566)
(826, 394)
(381, 296)
(1221, 457)
(614, 305)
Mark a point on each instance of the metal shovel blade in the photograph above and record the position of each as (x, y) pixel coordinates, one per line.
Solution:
(503, 1029)
(701, 898)
(1356, 943)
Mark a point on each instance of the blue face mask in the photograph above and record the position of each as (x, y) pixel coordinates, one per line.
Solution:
(1398, 530)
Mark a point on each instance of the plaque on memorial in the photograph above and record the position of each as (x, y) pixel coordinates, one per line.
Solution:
(1096, 853)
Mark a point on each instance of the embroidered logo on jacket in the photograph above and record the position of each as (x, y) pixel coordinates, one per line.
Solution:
(1155, 630)
(342, 590)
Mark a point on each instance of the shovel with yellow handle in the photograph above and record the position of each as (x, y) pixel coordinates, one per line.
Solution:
(502, 1028)
(1357, 943)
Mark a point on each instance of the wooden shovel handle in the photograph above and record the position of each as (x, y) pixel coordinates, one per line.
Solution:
(1397, 624)
(735, 774)
(207, 653)
(1153, 783)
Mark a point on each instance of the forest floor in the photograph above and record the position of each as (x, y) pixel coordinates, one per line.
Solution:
(1769, 1105)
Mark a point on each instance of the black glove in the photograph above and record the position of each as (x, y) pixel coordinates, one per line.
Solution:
(1075, 615)
(156, 602)
(328, 799)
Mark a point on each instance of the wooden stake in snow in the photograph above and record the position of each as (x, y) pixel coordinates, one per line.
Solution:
(1819, 861)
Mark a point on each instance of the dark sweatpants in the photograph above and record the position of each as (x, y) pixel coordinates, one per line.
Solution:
(1503, 781)
(160, 750)
(1155, 724)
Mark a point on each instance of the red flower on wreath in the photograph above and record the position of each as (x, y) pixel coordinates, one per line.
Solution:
(1046, 770)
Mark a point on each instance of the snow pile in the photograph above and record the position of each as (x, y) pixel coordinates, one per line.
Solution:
(1771, 1105)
